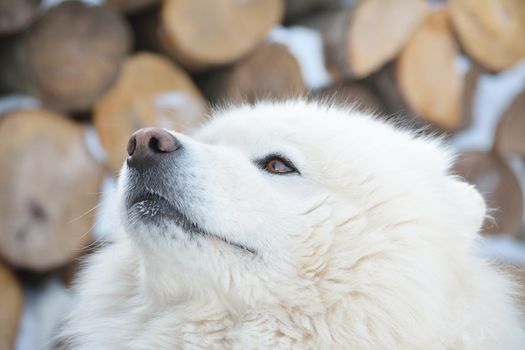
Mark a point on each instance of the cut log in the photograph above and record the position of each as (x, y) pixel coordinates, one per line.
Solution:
(50, 183)
(496, 181)
(16, 15)
(491, 31)
(384, 82)
(201, 33)
(428, 75)
(384, 85)
(510, 135)
(11, 303)
(352, 94)
(271, 71)
(131, 6)
(150, 91)
(355, 45)
(68, 58)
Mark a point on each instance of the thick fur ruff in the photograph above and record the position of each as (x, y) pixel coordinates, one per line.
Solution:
(370, 245)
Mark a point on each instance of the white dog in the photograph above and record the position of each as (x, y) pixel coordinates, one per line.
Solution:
(293, 225)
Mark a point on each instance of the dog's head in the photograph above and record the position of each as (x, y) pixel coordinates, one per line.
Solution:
(292, 195)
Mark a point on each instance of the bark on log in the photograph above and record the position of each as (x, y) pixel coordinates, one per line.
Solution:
(11, 303)
(428, 74)
(68, 58)
(201, 34)
(150, 91)
(16, 15)
(361, 39)
(131, 6)
(295, 9)
(500, 187)
(491, 31)
(510, 134)
(49, 185)
(271, 71)
(470, 89)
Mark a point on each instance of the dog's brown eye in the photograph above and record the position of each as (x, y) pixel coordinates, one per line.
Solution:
(277, 165)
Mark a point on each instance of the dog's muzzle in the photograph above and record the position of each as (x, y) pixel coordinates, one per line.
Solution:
(152, 153)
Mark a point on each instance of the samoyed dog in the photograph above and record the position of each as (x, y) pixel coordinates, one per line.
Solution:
(293, 225)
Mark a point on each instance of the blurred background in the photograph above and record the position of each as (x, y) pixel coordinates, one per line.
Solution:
(77, 78)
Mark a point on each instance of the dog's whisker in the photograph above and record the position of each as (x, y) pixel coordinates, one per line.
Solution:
(86, 233)
(86, 213)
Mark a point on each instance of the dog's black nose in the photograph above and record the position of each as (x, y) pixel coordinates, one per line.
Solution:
(146, 146)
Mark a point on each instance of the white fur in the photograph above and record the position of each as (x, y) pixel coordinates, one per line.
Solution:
(373, 246)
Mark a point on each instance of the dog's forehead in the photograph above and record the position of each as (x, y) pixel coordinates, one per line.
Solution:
(250, 129)
(327, 135)
(292, 128)
(308, 127)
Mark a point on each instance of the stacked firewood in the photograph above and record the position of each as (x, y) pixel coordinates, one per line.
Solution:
(110, 69)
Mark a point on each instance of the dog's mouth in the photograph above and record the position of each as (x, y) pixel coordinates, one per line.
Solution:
(153, 208)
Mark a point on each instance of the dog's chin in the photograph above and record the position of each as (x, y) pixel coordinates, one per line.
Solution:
(156, 212)
(153, 209)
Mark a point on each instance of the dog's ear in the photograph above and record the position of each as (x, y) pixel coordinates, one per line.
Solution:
(472, 206)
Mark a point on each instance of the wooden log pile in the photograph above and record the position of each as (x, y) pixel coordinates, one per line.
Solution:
(68, 57)
(110, 69)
